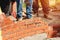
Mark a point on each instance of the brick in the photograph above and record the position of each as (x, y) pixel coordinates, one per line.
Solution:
(7, 30)
(24, 33)
(6, 22)
(10, 29)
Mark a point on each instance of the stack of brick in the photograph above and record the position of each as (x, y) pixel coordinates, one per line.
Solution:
(15, 31)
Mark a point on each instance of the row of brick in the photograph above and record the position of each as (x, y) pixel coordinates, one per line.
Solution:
(23, 26)
(15, 28)
(23, 33)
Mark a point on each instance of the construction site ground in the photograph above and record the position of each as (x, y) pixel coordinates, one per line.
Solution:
(55, 15)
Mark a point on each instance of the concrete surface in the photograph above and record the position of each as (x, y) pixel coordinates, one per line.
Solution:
(42, 36)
